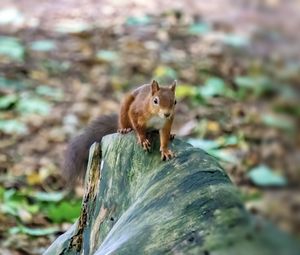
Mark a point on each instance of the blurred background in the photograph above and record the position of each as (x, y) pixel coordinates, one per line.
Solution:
(64, 62)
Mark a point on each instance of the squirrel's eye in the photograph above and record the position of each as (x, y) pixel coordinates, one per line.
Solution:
(175, 102)
(155, 100)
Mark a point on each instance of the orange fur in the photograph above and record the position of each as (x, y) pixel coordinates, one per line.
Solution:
(146, 108)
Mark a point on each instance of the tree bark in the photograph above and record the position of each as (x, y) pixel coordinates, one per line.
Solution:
(134, 203)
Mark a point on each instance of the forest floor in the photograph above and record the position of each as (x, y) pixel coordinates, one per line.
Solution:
(62, 63)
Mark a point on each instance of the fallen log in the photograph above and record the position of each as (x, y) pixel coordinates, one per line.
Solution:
(134, 203)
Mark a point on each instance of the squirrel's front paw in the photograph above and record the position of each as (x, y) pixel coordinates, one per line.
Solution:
(166, 154)
(145, 144)
(124, 130)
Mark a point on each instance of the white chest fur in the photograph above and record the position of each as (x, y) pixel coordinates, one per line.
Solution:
(156, 123)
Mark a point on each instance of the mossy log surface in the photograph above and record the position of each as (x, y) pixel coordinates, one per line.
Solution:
(134, 203)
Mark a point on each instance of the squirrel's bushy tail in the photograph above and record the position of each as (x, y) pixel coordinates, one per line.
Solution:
(76, 155)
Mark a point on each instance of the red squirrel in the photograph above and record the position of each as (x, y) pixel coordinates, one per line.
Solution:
(148, 107)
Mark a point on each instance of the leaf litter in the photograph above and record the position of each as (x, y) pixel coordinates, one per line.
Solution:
(231, 103)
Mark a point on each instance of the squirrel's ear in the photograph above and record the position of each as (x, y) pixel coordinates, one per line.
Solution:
(154, 87)
(173, 86)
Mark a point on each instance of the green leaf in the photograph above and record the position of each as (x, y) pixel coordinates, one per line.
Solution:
(228, 140)
(49, 196)
(65, 211)
(203, 144)
(13, 127)
(235, 40)
(32, 208)
(213, 87)
(2, 191)
(12, 48)
(107, 55)
(279, 121)
(264, 176)
(251, 81)
(288, 92)
(250, 196)
(15, 200)
(7, 101)
(288, 108)
(33, 231)
(184, 90)
(212, 147)
(245, 81)
(258, 84)
(165, 73)
(9, 194)
(72, 26)
(11, 84)
(55, 67)
(138, 20)
(33, 105)
(55, 93)
(9, 209)
(199, 28)
(224, 155)
(43, 45)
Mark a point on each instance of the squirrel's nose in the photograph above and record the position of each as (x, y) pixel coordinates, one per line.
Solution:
(167, 115)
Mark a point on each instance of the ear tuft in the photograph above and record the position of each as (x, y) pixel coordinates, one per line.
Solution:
(173, 86)
(154, 87)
